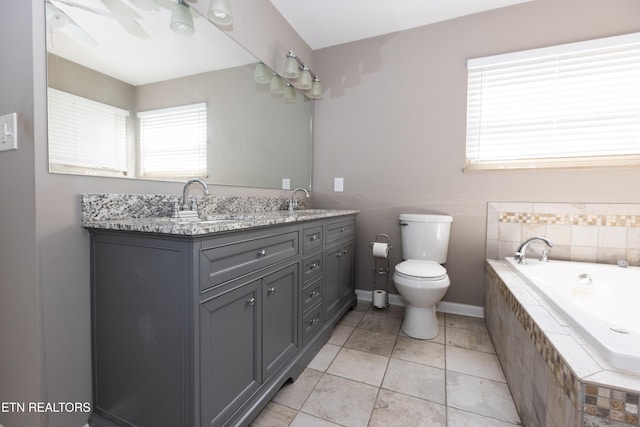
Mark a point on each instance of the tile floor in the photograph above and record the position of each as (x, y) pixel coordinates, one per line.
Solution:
(371, 374)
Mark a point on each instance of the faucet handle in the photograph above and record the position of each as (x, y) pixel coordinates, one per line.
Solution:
(543, 256)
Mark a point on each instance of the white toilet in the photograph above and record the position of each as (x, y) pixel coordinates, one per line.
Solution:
(420, 279)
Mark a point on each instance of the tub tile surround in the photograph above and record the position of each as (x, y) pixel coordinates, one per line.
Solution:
(555, 376)
(586, 232)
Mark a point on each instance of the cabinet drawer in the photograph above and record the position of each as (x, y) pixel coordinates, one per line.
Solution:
(312, 266)
(311, 295)
(224, 262)
(311, 323)
(312, 238)
(340, 230)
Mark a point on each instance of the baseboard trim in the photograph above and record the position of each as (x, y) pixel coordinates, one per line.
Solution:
(444, 306)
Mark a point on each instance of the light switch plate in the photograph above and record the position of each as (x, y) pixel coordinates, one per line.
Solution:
(286, 183)
(338, 185)
(9, 132)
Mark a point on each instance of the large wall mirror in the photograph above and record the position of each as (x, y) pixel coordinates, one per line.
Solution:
(131, 97)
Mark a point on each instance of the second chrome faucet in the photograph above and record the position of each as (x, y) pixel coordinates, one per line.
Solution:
(520, 255)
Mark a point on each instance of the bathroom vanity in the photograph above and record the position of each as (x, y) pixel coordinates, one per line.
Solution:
(201, 324)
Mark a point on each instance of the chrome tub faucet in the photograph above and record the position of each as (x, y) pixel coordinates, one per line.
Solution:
(520, 255)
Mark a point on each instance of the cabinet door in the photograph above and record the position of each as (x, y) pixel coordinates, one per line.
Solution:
(332, 288)
(230, 339)
(279, 318)
(346, 270)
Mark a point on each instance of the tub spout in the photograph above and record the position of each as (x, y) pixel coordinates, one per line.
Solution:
(520, 255)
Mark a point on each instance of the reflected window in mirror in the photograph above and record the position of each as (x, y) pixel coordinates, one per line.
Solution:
(86, 136)
(173, 142)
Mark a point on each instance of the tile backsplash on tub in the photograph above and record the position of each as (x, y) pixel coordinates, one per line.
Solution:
(588, 232)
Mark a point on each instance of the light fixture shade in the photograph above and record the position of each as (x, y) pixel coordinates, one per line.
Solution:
(289, 94)
(316, 90)
(304, 80)
(262, 74)
(290, 70)
(145, 4)
(220, 12)
(181, 19)
(277, 85)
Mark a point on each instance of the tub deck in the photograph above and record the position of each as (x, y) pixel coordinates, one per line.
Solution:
(521, 321)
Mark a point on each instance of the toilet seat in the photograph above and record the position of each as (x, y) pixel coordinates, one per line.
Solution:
(421, 270)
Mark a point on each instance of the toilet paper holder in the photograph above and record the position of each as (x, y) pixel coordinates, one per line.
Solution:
(380, 298)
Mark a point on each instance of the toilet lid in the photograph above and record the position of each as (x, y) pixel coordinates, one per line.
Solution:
(422, 269)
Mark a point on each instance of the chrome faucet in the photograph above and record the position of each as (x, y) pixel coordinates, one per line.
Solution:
(185, 191)
(293, 203)
(520, 255)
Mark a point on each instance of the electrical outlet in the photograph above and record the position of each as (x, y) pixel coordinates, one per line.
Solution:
(286, 184)
(9, 132)
(338, 185)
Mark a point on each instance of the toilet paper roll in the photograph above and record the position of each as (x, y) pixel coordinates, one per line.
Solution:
(379, 299)
(380, 249)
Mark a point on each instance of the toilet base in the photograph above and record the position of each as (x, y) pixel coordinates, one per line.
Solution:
(420, 322)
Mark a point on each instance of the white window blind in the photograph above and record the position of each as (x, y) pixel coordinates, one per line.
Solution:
(86, 134)
(173, 141)
(565, 106)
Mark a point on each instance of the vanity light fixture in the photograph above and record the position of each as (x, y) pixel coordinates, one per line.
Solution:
(277, 85)
(220, 12)
(300, 76)
(262, 74)
(181, 19)
(290, 94)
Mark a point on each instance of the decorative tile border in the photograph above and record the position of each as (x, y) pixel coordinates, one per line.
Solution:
(609, 406)
(570, 219)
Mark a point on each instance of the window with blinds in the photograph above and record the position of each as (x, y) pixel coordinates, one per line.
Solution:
(173, 141)
(86, 135)
(573, 105)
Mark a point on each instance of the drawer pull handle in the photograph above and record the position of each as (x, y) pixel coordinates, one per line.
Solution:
(314, 266)
(313, 321)
(313, 294)
(271, 291)
(342, 230)
(252, 302)
(314, 237)
(262, 252)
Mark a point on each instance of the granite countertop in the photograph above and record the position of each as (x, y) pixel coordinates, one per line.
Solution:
(212, 223)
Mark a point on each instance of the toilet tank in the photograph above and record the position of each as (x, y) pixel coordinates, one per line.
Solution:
(425, 237)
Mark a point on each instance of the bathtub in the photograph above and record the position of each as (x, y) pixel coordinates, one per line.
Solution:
(603, 300)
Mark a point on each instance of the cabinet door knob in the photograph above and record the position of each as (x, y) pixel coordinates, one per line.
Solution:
(312, 294)
(339, 254)
(346, 251)
(252, 302)
(262, 252)
(271, 291)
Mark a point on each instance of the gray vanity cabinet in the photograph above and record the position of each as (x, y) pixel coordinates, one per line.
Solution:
(204, 330)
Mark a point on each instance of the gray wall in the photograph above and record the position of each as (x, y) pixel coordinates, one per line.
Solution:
(393, 123)
(44, 253)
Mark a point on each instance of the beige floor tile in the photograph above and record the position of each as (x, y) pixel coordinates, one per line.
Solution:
(360, 366)
(384, 324)
(395, 409)
(325, 356)
(274, 415)
(341, 401)
(471, 340)
(463, 322)
(439, 339)
(414, 379)
(390, 311)
(352, 318)
(456, 418)
(294, 394)
(476, 363)
(481, 396)
(373, 342)
(340, 334)
(306, 420)
(419, 351)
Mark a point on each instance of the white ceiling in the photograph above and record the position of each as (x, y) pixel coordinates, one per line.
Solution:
(323, 23)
